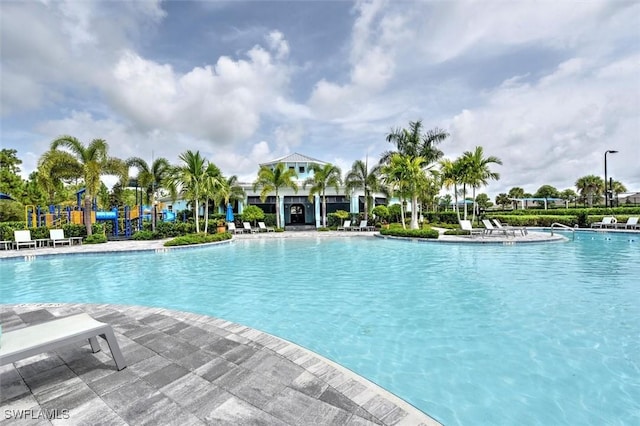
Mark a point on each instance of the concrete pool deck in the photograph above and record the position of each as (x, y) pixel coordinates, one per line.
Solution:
(186, 369)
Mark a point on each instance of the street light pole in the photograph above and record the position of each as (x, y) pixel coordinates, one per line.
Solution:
(607, 186)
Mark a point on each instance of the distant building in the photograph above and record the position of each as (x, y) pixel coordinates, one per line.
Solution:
(295, 208)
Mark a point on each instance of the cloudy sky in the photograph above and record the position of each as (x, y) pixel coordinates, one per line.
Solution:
(547, 86)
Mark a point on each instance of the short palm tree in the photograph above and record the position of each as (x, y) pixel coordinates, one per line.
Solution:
(590, 186)
(189, 180)
(271, 180)
(360, 177)
(93, 161)
(407, 175)
(213, 187)
(323, 177)
(150, 178)
(478, 171)
(451, 177)
(54, 167)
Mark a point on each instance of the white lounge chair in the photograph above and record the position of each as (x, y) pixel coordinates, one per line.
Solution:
(264, 228)
(232, 228)
(490, 228)
(522, 229)
(465, 225)
(247, 227)
(36, 339)
(346, 226)
(607, 222)
(23, 238)
(631, 223)
(57, 237)
(364, 227)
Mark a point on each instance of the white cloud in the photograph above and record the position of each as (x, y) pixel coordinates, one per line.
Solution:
(557, 130)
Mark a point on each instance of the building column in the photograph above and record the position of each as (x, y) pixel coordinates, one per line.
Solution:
(281, 201)
(318, 210)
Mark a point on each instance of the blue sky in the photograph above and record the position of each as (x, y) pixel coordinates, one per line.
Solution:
(546, 86)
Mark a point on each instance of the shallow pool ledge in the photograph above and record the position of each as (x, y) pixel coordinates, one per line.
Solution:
(531, 237)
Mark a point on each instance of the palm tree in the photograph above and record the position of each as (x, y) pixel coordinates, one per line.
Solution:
(502, 199)
(414, 143)
(323, 177)
(213, 186)
(478, 172)
(406, 175)
(93, 161)
(189, 179)
(271, 180)
(360, 177)
(589, 186)
(450, 175)
(53, 168)
(150, 179)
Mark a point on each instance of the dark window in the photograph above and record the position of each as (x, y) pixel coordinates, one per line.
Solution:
(301, 169)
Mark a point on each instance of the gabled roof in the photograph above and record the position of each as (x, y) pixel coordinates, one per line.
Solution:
(293, 158)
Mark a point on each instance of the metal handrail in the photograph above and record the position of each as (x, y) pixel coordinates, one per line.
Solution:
(562, 225)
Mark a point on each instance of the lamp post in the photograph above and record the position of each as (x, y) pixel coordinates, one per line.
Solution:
(607, 187)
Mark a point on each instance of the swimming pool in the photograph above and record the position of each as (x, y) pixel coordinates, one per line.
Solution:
(534, 334)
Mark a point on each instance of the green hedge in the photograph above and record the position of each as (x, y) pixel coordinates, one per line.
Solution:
(411, 233)
(200, 238)
(595, 211)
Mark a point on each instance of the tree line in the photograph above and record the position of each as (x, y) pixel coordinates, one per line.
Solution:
(413, 171)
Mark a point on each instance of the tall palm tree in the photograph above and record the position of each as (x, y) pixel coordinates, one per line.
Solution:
(323, 177)
(360, 177)
(93, 161)
(413, 142)
(150, 179)
(271, 180)
(188, 179)
(478, 171)
(590, 186)
(406, 174)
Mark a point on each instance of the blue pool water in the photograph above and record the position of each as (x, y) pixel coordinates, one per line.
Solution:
(522, 334)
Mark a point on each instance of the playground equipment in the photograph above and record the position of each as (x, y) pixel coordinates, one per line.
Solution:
(124, 220)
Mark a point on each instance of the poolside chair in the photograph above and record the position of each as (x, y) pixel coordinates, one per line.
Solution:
(23, 238)
(607, 222)
(364, 227)
(247, 227)
(232, 228)
(263, 228)
(522, 229)
(57, 237)
(346, 226)
(36, 339)
(465, 225)
(631, 223)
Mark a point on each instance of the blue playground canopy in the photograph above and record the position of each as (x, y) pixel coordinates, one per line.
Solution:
(4, 196)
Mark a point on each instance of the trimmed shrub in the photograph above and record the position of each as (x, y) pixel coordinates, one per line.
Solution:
(201, 238)
(143, 235)
(411, 233)
(456, 232)
(95, 239)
